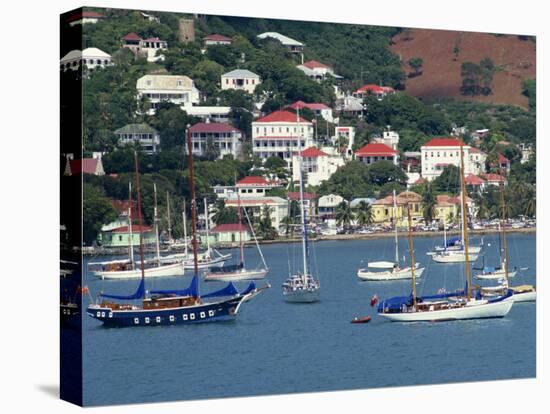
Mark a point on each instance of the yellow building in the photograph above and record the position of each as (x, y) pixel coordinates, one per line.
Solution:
(382, 210)
(446, 209)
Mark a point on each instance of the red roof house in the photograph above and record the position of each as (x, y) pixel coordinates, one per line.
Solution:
(212, 128)
(295, 195)
(374, 90)
(376, 152)
(84, 166)
(444, 142)
(313, 152)
(283, 117)
(217, 39)
(313, 64)
(474, 180)
(230, 228)
(253, 181)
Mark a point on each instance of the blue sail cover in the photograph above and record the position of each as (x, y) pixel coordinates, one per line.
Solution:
(249, 289)
(397, 302)
(192, 290)
(453, 241)
(229, 290)
(140, 293)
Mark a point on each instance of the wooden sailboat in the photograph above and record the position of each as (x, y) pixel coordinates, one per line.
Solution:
(302, 287)
(465, 304)
(239, 272)
(390, 270)
(153, 268)
(521, 293)
(171, 307)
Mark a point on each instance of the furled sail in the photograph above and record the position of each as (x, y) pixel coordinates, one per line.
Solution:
(139, 294)
(192, 290)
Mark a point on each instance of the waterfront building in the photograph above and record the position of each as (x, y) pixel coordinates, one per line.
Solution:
(281, 134)
(327, 205)
(147, 137)
(240, 80)
(229, 234)
(374, 152)
(226, 138)
(441, 152)
(317, 165)
(179, 90)
(121, 236)
(277, 207)
(292, 45)
(90, 58)
(383, 212)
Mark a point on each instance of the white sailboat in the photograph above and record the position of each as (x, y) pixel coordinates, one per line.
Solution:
(466, 304)
(390, 270)
(153, 268)
(302, 287)
(239, 272)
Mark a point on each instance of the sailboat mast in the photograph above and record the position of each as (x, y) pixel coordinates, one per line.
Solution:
(184, 214)
(503, 222)
(131, 241)
(395, 228)
(206, 224)
(464, 223)
(239, 213)
(444, 232)
(193, 202)
(411, 249)
(140, 220)
(156, 224)
(169, 218)
(304, 224)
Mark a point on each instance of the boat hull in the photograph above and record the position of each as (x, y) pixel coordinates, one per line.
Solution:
(402, 274)
(302, 295)
(524, 297)
(495, 275)
(476, 311)
(174, 269)
(236, 276)
(206, 312)
(216, 262)
(454, 258)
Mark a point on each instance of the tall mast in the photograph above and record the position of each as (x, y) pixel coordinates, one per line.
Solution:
(193, 202)
(184, 214)
(444, 232)
(503, 222)
(395, 228)
(140, 221)
(206, 224)
(239, 212)
(464, 223)
(131, 243)
(304, 225)
(169, 218)
(411, 250)
(156, 225)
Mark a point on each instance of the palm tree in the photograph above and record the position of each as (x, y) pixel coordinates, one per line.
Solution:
(223, 214)
(428, 204)
(363, 214)
(344, 214)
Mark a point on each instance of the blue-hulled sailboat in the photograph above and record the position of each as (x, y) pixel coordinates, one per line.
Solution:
(171, 307)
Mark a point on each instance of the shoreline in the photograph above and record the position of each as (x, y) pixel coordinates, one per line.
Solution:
(335, 237)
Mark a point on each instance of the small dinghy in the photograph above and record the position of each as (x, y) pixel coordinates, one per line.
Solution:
(362, 319)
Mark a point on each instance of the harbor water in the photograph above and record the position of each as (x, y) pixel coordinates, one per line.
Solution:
(274, 347)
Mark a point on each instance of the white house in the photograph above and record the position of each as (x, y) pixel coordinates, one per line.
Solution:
(85, 17)
(226, 138)
(477, 160)
(292, 45)
(350, 105)
(177, 89)
(146, 136)
(319, 109)
(389, 138)
(526, 152)
(374, 152)
(229, 234)
(281, 134)
(146, 48)
(277, 206)
(240, 80)
(317, 70)
(440, 152)
(90, 57)
(327, 205)
(317, 165)
(209, 113)
(217, 39)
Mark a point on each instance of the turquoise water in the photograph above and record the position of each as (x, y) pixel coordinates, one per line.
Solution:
(276, 347)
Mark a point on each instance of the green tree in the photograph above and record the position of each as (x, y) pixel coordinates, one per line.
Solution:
(428, 204)
(96, 212)
(344, 214)
(364, 214)
(416, 63)
(223, 214)
(448, 181)
(383, 172)
(265, 228)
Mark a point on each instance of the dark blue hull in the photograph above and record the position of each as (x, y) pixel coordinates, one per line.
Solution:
(207, 312)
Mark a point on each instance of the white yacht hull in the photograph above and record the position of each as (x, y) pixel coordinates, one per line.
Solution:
(206, 264)
(236, 276)
(454, 257)
(495, 275)
(302, 295)
(175, 269)
(525, 297)
(474, 310)
(401, 274)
